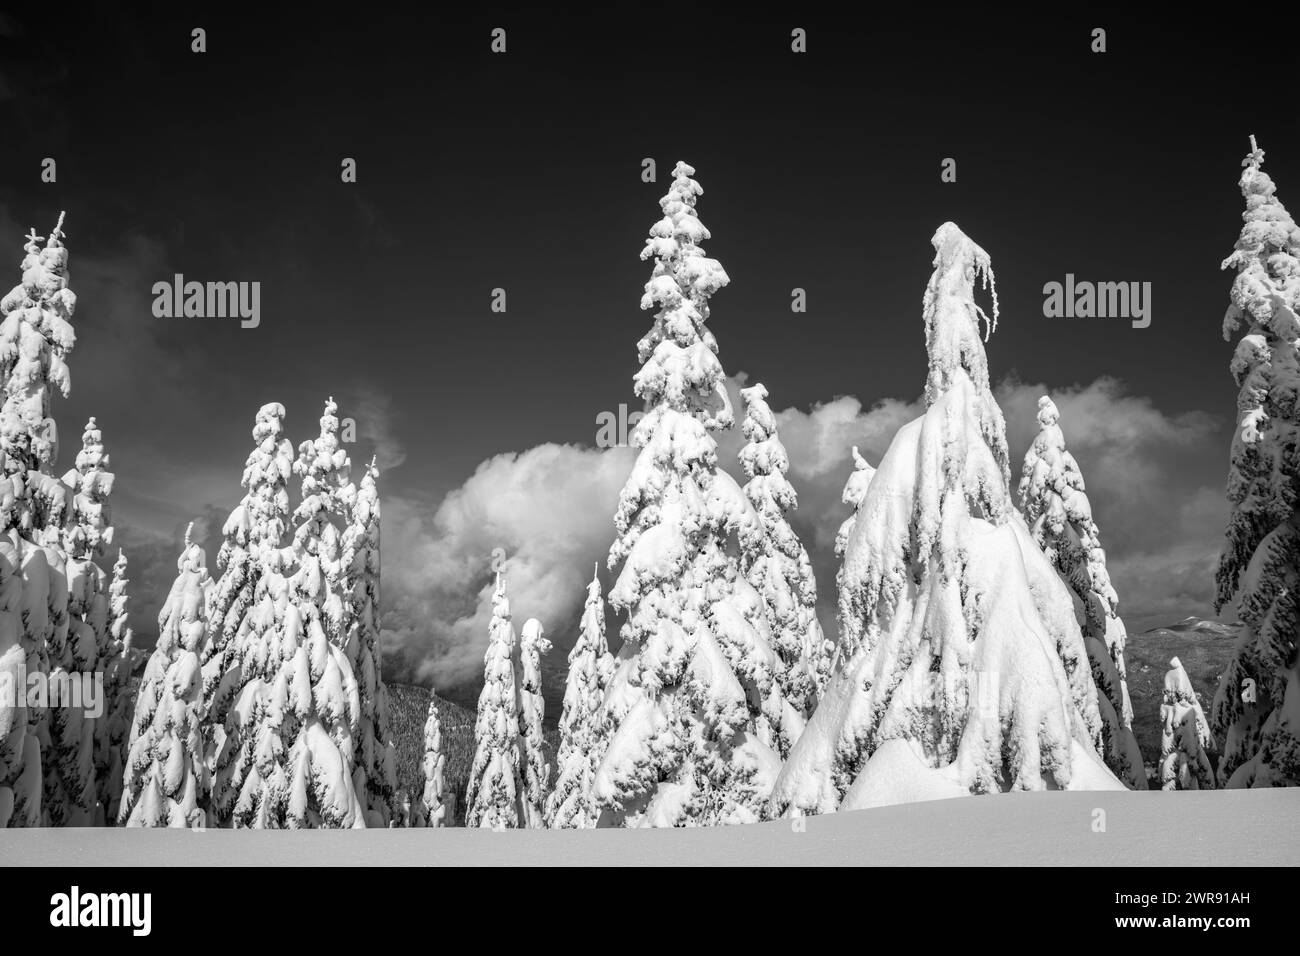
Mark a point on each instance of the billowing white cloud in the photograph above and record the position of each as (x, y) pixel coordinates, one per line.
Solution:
(551, 510)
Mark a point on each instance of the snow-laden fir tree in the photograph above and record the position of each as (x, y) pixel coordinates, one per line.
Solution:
(1256, 710)
(1184, 736)
(167, 778)
(245, 605)
(36, 336)
(855, 489)
(494, 798)
(316, 691)
(777, 565)
(112, 731)
(535, 769)
(376, 759)
(289, 754)
(1061, 520)
(79, 641)
(253, 529)
(694, 708)
(431, 811)
(569, 804)
(964, 669)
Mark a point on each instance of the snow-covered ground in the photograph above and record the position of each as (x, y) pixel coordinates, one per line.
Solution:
(1209, 828)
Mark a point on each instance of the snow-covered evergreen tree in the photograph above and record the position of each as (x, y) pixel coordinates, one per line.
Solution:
(536, 770)
(289, 754)
(964, 669)
(316, 691)
(167, 779)
(239, 669)
(855, 489)
(36, 336)
(113, 730)
(1256, 710)
(1185, 735)
(376, 761)
(79, 639)
(1061, 521)
(777, 565)
(494, 799)
(431, 811)
(568, 805)
(694, 707)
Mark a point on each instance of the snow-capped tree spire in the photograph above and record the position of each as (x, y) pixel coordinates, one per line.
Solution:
(536, 771)
(316, 689)
(963, 670)
(112, 731)
(167, 778)
(376, 752)
(1256, 710)
(36, 335)
(1185, 735)
(79, 640)
(36, 338)
(778, 567)
(252, 536)
(1061, 521)
(494, 799)
(288, 756)
(696, 682)
(590, 663)
(432, 808)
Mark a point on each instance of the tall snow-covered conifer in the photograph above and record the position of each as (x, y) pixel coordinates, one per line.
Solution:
(964, 669)
(239, 667)
(376, 759)
(1184, 736)
(1256, 710)
(315, 694)
(569, 805)
(36, 336)
(113, 730)
(694, 706)
(535, 769)
(79, 639)
(167, 779)
(777, 565)
(494, 798)
(431, 811)
(1061, 521)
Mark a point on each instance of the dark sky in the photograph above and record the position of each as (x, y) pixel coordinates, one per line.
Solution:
(522, 171)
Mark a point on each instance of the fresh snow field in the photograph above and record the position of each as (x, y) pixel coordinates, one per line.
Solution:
(1207, 828)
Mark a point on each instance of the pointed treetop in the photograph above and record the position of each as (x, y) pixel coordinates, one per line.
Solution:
(962, 261)
(57, 234)
(269, 422)
(500, 603)
(1255, 158)
(952, 316)
(1048, 415)
(533, 635)
(189, 529)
